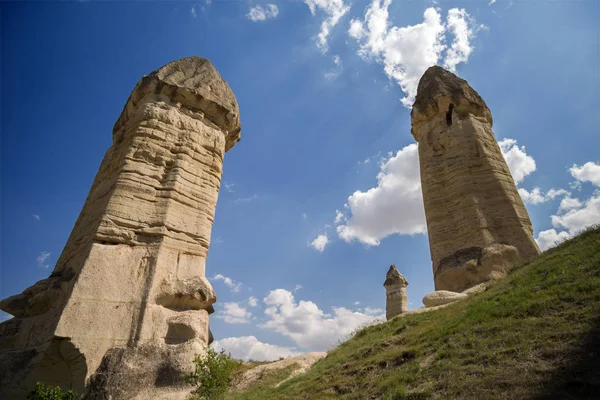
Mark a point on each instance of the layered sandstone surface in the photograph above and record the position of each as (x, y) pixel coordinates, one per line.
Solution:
(477, 224)
(396, 301)
(130, 286)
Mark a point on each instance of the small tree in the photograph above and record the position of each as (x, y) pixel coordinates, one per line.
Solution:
(50, 393)
(212, 374)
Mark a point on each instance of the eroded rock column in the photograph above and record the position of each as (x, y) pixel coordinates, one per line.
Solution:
(477, 224)
(396, 301)
(130, 285)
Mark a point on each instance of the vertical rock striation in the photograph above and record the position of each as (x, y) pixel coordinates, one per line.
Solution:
(396, 301)
(477, 224)
(130, 285)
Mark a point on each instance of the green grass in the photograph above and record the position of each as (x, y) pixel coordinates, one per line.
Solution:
(534, 335)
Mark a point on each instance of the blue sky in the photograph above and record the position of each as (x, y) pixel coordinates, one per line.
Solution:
(323, 88)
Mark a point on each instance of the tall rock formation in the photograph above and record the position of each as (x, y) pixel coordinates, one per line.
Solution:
(129, 293)
(395, 285)
(477, 224)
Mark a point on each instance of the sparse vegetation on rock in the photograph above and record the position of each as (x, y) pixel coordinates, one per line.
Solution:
(212, 374)
(42, 392)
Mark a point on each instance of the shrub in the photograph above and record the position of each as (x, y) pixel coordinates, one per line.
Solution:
(212, 374)
(50, 393)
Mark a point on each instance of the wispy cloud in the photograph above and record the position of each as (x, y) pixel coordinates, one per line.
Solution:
(245, 199)
(36, 216)
(229, 187)
(334, 10)
(338, 68)
(233, 286)
(42, 258)
(193, 11)
(259, 14)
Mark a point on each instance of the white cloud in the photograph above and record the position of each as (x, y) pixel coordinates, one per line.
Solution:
(459, 22)
(193, 11)
(36, 216)
(550, 238)
(588, 172)
(42, 258)
(252, 301)
(337, 60)
(233, 313)
(304, 216)
(334, 9)
(250, 348)
(245, 199)
(519, 162)
(372, 311)
(394, 206)
(578, 218)
(574, 215)
(356, 303)
(339, 217)
(297, 287)
(307, 325)
(568, 203)
(320, 242)
(491, 2)
(258, 13)
(536, 196)
(553, 193)
(406, 52)
(233, 286)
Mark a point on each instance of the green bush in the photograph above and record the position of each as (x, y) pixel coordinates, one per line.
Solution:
(50, 393)
(212, 374)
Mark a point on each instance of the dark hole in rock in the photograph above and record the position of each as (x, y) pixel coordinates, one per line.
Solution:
(179, 333)
(449, 115)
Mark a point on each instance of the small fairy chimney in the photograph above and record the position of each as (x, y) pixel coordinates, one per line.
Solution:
(395, 292)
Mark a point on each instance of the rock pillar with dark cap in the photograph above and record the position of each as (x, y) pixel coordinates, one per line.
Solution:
(477, 224)
(126, 308)
(395, 285)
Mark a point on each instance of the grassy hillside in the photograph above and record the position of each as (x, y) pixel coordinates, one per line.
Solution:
(535, 335)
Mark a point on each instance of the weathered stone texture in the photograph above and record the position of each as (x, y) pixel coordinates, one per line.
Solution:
(477, 224)
(395, 293)
(441, 297)
(132, 271)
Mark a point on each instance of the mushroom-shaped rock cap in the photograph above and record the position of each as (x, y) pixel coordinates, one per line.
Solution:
(438, 83)
(194, 83)
(393, 277)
